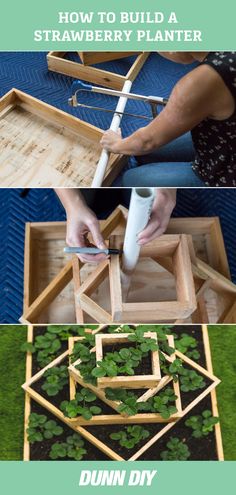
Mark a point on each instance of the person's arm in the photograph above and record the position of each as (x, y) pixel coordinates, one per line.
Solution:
(80, 222)
(195, 97)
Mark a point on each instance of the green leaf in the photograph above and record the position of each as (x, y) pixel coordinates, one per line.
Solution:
(98, 372)
(95, 410)
(28, 347)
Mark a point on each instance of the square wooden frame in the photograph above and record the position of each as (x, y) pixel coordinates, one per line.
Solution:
(170, 246)
(123, 418)
(51, 115)
(101, 445)
(136, 381)
(101, 419)
(57, 63)
(207, 241)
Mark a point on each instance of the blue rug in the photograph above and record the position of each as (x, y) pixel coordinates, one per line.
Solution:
(28, 72)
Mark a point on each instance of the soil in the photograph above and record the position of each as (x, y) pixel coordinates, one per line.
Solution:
(40, 451)
(201, 449)
(144, 367)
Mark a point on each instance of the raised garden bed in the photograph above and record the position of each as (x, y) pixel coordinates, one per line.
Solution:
(110, 419)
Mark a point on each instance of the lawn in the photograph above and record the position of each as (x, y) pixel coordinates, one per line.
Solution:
(223, 348)
(12, 375)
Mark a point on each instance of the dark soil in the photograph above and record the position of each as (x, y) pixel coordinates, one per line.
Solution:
(39, 451)
(201, 449)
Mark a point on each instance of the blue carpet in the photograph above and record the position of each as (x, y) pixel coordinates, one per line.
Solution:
(28, 72)
(42, 205)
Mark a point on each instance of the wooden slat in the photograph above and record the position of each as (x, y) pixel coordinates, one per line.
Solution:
(49, 294)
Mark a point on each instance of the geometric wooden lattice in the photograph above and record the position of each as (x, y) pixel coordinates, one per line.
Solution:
(79, 424)
(58, 290)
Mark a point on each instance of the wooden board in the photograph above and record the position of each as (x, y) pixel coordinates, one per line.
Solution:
(89, 58)
(44, 258)
(58, 63)
(42, 146)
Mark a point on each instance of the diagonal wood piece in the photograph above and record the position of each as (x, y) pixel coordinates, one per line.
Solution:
(48, 294)
(94, 279)
(94, 310)
(219, 282)
(76, 266)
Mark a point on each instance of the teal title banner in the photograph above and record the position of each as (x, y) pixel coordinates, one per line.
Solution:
(98, 478)
(121, 25)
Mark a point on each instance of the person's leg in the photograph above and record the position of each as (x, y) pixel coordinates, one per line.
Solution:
(179, 150)
(162, 175)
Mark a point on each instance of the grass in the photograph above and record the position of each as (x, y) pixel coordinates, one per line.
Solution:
(223, 349)
(12, 375)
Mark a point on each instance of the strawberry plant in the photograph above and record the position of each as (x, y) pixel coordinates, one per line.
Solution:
(190, 380)
(120, 329)
(72, 448)
(143, 343)
(128, 400)
(46, 346)
(130, 436)
(176, 451)
(78, 406)
(163, 403)
(187, 345)
(173, 369)
(40, 427)
(202, 424)
(55, 380)
(66, 331)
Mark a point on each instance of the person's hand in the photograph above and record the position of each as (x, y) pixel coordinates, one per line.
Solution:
(163, 206)
(111, 141)
(81, 222)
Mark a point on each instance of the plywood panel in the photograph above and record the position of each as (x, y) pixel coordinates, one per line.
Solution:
(42, 146)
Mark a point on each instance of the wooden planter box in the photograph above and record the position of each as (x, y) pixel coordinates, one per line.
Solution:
(42, 146)
(50, 280)
(90, 58)
(136, 381)
(31, 394)
(174, 247)
(58, 63)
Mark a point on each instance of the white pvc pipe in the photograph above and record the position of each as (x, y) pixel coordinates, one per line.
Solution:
(139, 213)
(115, 124)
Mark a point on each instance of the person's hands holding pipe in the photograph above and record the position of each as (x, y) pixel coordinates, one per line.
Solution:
(111, 141)
(163, 206)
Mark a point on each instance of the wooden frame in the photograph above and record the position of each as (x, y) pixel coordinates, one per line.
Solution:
(57, 63)
(171, 246)
(44, 260)
(74, 376)
(90, 58)
(136, 381)
(122, 418)
(44, 146)
(101, 445)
